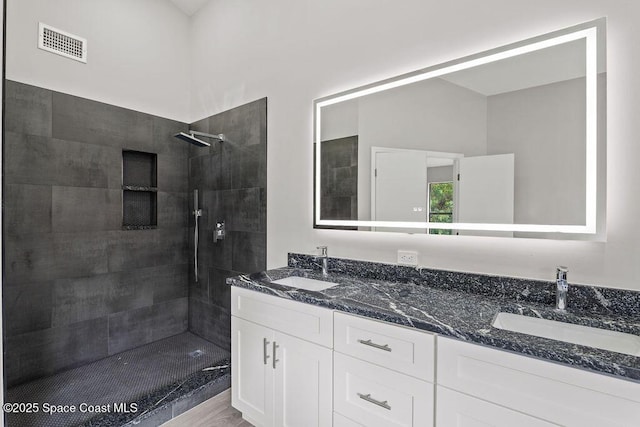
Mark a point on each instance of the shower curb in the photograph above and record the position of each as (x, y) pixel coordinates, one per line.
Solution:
(188, 394)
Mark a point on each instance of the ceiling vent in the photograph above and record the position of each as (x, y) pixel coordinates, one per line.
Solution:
(62, 43)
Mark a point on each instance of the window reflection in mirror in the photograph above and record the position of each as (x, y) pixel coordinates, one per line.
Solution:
(440, 205)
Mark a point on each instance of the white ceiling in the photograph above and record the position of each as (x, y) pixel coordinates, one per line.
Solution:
(189, 7)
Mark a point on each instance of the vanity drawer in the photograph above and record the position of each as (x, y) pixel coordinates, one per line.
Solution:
(308, 322)
(461, 410)
(556, 393)
(379, 397)
(395, 347)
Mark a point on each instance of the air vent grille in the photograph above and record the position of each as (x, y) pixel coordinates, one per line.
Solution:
(62, 43)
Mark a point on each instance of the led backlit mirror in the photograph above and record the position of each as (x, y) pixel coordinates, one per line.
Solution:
(509, 142)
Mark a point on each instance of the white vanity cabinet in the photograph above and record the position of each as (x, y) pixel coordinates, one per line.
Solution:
(383, 374)
(548, 391)
(296, 364)
(279, 379)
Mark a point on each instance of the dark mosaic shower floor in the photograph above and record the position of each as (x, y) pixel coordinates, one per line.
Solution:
(150, 375)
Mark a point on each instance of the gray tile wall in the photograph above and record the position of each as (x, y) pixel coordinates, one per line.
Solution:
(77, 287)
(231, 179)
(339, 179)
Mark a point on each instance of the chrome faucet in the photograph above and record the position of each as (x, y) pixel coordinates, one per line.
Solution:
(561, 288)
(325, 258)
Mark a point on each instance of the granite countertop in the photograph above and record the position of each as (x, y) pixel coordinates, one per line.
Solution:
(463, 306)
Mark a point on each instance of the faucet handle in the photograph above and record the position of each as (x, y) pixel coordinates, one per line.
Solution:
(561, 272)
(323, 250)
(562, 287)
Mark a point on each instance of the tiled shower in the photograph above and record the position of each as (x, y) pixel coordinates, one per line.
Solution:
(231, 178)
(82, 282)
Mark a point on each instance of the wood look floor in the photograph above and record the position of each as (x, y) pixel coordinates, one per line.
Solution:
(215, 412)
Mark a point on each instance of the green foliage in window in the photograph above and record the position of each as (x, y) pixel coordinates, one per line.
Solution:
(440, 205)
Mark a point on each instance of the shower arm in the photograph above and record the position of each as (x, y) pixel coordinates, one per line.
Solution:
(208, 135)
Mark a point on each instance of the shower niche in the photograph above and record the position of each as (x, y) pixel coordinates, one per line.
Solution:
(139, 190)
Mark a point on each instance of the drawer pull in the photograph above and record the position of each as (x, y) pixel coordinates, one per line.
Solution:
(370, 399)
(265, 356)
(275, 347)
(374, 345)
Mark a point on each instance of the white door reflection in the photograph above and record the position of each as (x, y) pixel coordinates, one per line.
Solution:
(427, 186)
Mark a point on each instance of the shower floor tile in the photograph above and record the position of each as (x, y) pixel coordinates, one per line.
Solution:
(135, 375)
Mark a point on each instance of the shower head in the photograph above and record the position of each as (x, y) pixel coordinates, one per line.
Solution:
(191, 138)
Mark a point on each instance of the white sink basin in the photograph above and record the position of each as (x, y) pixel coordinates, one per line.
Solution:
(619, 342)
(305, 283)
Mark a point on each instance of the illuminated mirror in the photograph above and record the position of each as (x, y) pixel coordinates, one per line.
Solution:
(509, 142)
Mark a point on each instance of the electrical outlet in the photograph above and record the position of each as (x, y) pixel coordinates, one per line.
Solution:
(408, 258)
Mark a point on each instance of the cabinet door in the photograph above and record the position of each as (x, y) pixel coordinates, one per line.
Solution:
(251, 371)
(303, 383)
(459, 410)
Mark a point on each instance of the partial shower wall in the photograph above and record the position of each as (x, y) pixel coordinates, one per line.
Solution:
(231, 179)
(78, 287)
(339, 179)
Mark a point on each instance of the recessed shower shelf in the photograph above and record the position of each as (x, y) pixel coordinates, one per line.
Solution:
(139, 190)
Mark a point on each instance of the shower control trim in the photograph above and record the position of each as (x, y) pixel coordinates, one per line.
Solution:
(219, 232)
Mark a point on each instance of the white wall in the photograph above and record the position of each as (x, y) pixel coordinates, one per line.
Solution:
(138, 55)
(439, 174)
(339, 120)
(294, 51)
(544, 127)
